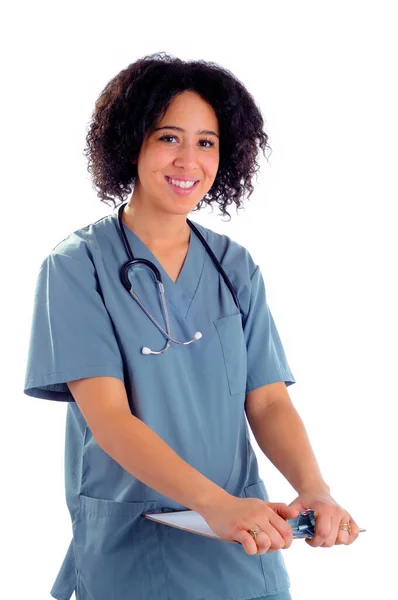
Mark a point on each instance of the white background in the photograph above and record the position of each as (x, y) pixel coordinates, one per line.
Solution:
(321, 223)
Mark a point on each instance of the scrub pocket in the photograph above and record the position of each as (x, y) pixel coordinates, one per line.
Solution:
(116, 551)
(233, 344)
(198, 567)
(275, 573)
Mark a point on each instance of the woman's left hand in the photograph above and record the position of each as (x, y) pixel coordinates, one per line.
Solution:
(328, 517)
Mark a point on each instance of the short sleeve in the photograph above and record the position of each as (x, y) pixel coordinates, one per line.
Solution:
(266, 359)
(72, 334)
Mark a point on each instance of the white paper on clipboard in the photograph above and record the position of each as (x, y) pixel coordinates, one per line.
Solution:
(187, 520)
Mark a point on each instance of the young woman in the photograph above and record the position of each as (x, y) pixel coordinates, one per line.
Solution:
(160, 360)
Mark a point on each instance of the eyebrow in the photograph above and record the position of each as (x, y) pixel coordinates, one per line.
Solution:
(206, 131)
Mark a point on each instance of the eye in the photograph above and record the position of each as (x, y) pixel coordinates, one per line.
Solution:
(168, 137)
(208, 142)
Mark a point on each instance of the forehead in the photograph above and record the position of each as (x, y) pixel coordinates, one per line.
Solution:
(190, 109)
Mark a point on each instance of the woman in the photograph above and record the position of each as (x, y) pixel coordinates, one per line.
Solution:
(156, 425)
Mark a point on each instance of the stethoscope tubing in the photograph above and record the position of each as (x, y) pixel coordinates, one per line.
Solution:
(156, 271)
(158, 277)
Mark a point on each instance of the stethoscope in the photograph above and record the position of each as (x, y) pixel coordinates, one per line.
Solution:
(132, 262)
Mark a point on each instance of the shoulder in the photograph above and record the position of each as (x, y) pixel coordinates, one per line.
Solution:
(84, 244)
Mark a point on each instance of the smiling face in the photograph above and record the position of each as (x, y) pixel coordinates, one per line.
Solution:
(184, 144)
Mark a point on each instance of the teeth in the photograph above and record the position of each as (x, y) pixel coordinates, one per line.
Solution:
(182, 184)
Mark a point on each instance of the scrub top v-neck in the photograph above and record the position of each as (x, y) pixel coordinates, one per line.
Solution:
(181, 292)
(86, 324)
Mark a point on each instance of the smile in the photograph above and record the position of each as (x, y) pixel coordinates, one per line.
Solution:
(181, 191)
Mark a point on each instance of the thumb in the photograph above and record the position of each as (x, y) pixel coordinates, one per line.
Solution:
(284, 510)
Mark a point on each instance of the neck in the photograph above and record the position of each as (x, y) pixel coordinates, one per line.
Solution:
(158, 231)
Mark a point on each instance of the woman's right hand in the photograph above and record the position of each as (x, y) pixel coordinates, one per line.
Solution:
(232, 517)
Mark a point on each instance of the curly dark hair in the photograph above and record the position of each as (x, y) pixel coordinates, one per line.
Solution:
(136, 98)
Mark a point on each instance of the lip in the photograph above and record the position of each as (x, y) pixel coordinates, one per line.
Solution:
(182, 177)
(181, 191)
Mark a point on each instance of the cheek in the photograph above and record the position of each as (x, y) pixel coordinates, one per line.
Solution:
(161, 156)
(156, 159)
(210, 165)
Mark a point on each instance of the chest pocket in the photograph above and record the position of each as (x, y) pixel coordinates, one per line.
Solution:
(233, 345)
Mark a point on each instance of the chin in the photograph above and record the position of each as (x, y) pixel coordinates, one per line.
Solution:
(181, 206)
(182, 211)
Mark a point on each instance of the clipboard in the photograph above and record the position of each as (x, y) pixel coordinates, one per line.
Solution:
(189, 520)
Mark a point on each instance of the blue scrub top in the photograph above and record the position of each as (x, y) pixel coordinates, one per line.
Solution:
(85, 324)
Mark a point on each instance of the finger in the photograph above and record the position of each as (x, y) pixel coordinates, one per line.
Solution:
(347, 537)
(263, 542)
(335, 531)
(354, 531)
(248, 542)
(343, 536)
(323, 525)
(277, 541)
(282, 528)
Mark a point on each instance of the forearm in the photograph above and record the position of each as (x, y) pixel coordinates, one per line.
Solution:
(281, 435)
(144, 454)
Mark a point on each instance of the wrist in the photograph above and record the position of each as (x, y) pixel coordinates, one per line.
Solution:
(315, 487)
(208, 501)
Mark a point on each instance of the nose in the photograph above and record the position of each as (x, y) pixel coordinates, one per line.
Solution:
(186, 156)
